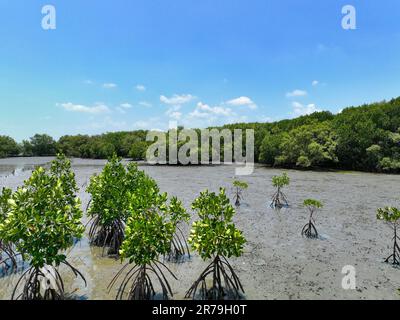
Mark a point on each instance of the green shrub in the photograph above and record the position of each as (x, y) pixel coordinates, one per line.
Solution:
(239, 188)
(309, 230)
(279, 199)
(149, 234)
(109, 205)
(43, 222)
(216, 237)
(7, 254)
(392, 217)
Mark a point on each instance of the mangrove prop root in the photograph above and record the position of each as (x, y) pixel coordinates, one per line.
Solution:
(8, 257)
(225, 282)
(107, 236)
(309, 230)
(238, 197)
(395, 257)
(179, 247)
(138, 285)
(42, 284)
(279, 200)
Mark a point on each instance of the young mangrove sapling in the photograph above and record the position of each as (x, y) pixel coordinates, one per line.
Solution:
(309, 230)
(108, 207)
(8, 257)
(239, 188)
(43, 222)
(279, 199)
(148, 236)
(392, 216)
(216, 237)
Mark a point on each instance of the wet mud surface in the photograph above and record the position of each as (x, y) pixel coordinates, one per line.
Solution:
(278, 263)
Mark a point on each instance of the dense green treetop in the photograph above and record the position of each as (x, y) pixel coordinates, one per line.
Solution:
(358, 138)
(389, 214)
(281, 181)
(215, 233)
(44, 215)
(312, 204)
(151, 224)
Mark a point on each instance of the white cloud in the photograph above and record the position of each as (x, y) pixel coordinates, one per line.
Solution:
(126, 105)
(173, 112)
(302, 110)
(296, 93)
(175, 115)
(177, 99)
(123, 108)
(205, 111)
(242, 101)
(96, 109)
(145, 104)
(315, 83)
(88, 82)
(140, 87)
(109, 85)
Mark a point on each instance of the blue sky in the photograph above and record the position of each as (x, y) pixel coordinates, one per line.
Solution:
(126, 64)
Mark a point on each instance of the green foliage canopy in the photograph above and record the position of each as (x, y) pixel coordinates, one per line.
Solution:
(44, 215)
(313, 204)
(111, 189)
(389, 214)
(240, 184)
(215, 233)
(358, 138)
(281, 181)
(151, 225)
(8, 147)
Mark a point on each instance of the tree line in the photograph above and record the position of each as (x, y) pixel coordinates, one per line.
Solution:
(365, 138)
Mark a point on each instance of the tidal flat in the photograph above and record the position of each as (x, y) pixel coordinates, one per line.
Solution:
(278, 262)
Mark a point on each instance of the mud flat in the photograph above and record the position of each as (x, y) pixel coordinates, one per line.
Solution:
(278, 263)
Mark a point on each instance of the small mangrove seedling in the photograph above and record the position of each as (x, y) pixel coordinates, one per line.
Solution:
(108, 207)
(8, 257)
(179, 245)
(309, 230)
(43, 222)
(392, 217)
(279, 199)
(148, 236)
(216, 237)
(239, 188)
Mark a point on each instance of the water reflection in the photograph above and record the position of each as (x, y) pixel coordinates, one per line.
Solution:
(17, 170)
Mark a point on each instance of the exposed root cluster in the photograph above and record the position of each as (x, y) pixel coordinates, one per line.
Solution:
(179, 247)
(42, 284)
(279, 200)
(309, 230)
(394, 258)
(138, 285)
(107, 236)
(238, 197)
(225, 282)
(8, 257)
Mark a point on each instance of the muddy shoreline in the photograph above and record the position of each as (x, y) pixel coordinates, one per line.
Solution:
(278, 263)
